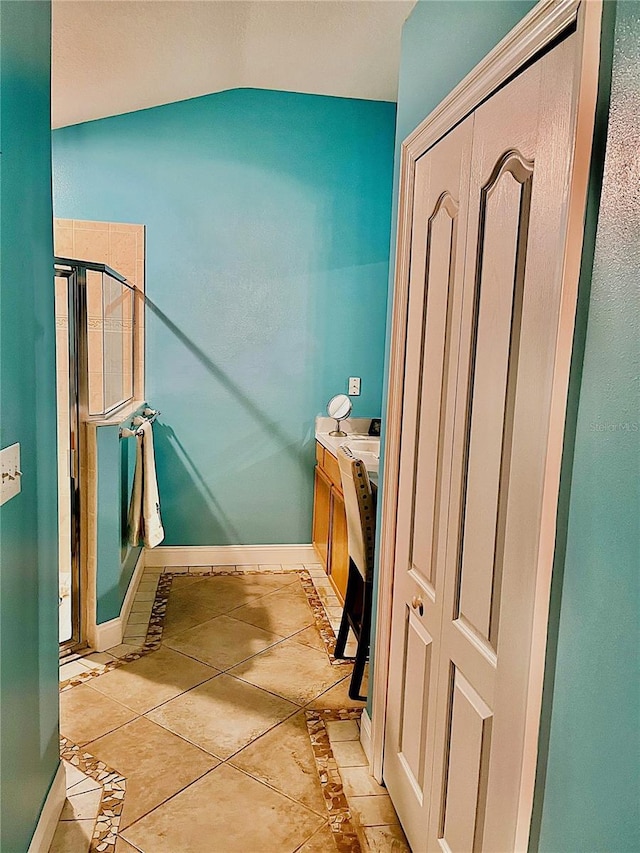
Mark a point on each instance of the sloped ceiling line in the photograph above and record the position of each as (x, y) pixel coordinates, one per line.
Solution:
(117, 56)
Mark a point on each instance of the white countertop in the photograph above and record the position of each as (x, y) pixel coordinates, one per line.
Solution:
(355, 428)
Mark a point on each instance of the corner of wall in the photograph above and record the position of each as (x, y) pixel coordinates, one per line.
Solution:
(28, 523)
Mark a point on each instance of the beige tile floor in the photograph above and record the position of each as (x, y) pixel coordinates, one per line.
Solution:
(210, 730)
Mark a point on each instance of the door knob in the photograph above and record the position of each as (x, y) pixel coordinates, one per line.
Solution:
(416, 603)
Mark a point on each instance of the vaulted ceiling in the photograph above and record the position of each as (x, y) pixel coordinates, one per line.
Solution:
(116, 56)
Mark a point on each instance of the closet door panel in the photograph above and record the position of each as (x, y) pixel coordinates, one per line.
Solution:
(526, 569)
(418, 646)
(504, 214)
(512, 289)
(468, 745)
(435, 300)
(430, 440)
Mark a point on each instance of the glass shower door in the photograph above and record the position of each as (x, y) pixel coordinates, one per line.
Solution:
(95, 328)
(70, 634)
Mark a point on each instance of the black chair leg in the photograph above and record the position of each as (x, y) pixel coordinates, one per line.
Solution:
(350, 597)
(343, 633)
(363, 647)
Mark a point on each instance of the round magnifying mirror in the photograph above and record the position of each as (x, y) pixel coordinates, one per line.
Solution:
(339, 408)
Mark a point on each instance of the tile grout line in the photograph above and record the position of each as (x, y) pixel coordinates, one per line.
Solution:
(137, 655)
(298, 709)
(244, 660)
(322, 621)
(301, 847)
(107, 822)
(154, 632)
(206, 773)
(238, 573)
(170, 797)
(239, 769)
(272, 788)
(139, 715)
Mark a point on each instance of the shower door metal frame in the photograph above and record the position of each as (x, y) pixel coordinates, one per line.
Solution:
(77, 397)
(75, 271)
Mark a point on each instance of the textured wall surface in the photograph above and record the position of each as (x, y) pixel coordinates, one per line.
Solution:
(268, 217)
(592, 793)
(29, 747)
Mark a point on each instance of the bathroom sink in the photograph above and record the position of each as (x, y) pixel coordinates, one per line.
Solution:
(367, 449)
(364, 445)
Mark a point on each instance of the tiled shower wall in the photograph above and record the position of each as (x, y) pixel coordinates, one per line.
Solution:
(110, 342)
(122, 247)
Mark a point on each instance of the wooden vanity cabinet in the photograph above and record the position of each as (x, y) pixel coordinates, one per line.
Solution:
(322, 515)
(339, 547)
(330, 520)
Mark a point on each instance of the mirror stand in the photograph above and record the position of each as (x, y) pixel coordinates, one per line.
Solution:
(337, 431)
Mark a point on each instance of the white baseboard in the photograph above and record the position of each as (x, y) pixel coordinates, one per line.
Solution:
(365, 734)
(50, 814)
(230, 555)
(108, 634)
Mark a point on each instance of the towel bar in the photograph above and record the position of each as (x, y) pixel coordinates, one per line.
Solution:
(147, 415)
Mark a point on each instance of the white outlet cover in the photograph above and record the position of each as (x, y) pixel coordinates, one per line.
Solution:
(10, 473)
(354, 386)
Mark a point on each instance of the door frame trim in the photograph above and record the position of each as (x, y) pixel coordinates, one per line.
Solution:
(546, 22)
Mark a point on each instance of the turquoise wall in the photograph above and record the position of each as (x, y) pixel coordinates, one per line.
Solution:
(29, 748)
(116, 559)
(441, 42)
(590, 745)
(268, 223)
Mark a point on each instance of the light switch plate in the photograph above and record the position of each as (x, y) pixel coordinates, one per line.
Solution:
(10, 473)
(354, 386)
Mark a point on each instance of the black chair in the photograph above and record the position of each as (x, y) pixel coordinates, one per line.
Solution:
(361, 528)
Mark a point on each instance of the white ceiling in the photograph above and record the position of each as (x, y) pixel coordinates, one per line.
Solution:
(116, 56)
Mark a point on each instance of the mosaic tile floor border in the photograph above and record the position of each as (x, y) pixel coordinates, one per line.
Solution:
(114, 785)
(323, 624)
(154, 631)
(340, 820)
(105, 831)
(151, 643)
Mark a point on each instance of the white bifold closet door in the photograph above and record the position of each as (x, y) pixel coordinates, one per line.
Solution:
(485, 291)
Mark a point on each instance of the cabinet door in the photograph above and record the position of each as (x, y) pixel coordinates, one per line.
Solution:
(321, 516)
(339, 551)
